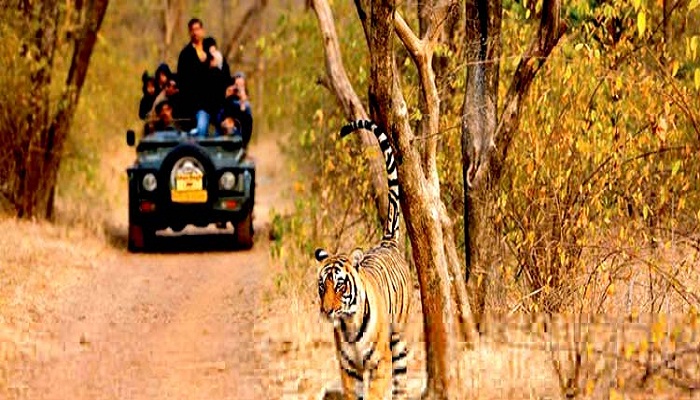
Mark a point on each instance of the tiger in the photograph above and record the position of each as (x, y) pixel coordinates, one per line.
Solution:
(367, 297)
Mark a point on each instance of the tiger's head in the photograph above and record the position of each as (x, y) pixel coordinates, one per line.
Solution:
(339, 285)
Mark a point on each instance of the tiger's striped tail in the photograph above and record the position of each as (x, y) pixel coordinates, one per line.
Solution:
(391, 230)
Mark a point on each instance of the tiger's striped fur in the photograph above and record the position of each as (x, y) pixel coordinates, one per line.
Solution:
(367, 296)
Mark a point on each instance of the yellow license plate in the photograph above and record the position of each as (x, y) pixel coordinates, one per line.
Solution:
(188, 182)
(188, 196)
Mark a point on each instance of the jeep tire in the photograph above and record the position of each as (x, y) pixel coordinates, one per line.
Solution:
(140, 238)
(243, 231)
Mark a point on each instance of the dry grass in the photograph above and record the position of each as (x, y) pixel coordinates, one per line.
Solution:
(302, 363)
(523, 356)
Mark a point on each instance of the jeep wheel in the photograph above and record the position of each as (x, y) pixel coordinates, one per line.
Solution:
(140, 238)
(243, 232)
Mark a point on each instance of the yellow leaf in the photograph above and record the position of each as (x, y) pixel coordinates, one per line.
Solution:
(590, 387)
(638, 3)
(615, 395)
(675, 167)
(674, 66)
(643, 346)
(658, 330)
(693, 4)
(641, 22)
(579, 46)
(629, 350)
(697, 78)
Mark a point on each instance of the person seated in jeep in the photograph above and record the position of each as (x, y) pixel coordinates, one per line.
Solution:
(163, 76)
(235, 117)
(165, 121)
(171, 93)
(239, 92)
(149, 95)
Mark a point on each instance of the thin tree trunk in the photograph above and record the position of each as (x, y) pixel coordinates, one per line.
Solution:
(484, 144)
(420, 198)
(479, 115)
(172, 16)
(441, 328)
(350, 101)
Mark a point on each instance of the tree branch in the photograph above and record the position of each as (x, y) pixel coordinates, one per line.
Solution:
(421, 52)
(550, 31)
(438, 19)
(415, 47)
(240, 33)
(349, 100)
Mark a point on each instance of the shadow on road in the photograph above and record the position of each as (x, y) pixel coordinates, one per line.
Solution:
(190, 240)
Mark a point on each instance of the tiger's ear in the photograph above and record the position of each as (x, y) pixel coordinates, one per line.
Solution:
(356, 256)
(320, 254)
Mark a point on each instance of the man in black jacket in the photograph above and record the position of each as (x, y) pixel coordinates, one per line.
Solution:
(192, 69)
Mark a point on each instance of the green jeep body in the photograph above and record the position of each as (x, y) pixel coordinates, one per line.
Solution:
(179, 180)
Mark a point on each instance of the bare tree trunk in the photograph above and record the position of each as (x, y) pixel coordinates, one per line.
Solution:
(482, 166)
(172, 16)
(479, 115)
(426, 218)
(351, 103)
(42, 166)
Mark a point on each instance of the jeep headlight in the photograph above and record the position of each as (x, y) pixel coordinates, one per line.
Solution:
(149, 182)
(227, 180)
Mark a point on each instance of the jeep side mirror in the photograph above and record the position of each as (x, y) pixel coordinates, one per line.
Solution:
(130, 137)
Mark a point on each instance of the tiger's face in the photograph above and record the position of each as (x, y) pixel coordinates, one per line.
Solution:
(339, 286)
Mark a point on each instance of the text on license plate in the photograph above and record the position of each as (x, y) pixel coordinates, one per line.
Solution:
(189, 196)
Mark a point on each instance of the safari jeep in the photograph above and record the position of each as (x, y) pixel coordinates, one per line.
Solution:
(178, 180)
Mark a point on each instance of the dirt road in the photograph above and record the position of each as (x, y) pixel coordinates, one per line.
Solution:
(178, 324)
